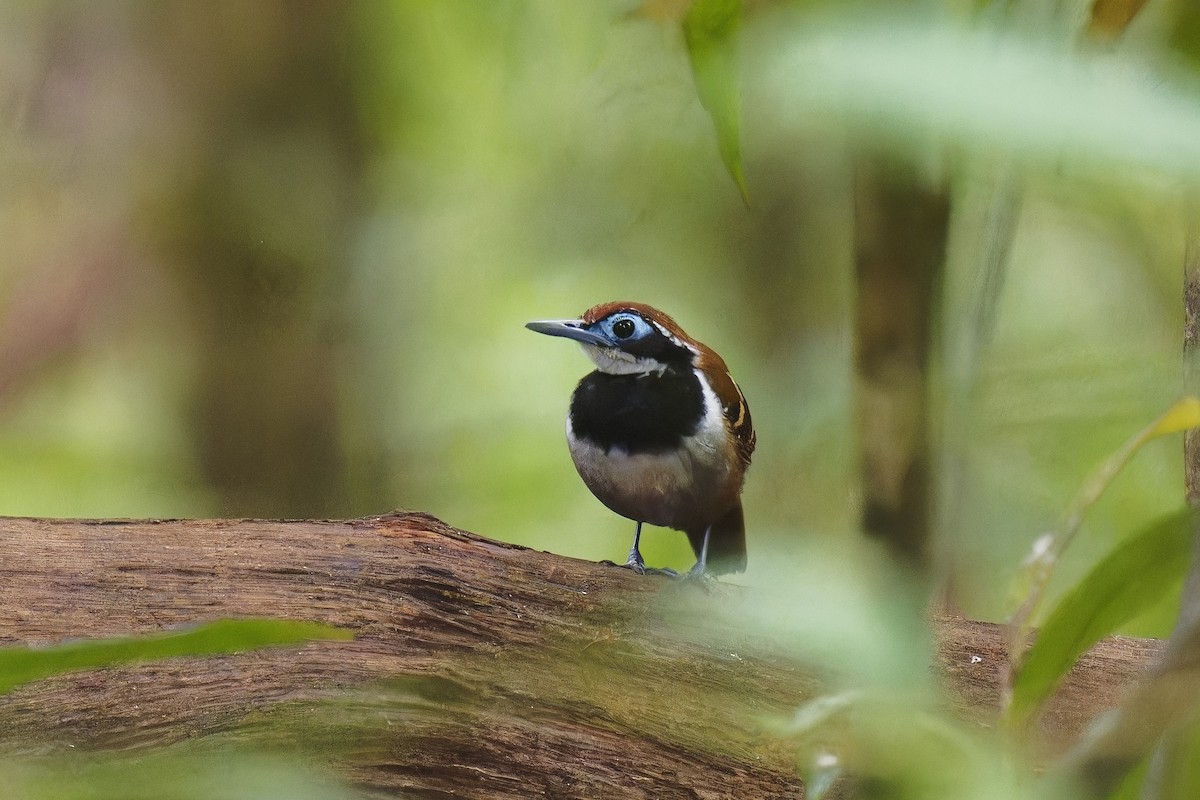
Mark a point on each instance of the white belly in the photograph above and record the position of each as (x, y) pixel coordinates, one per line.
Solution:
(683, 489)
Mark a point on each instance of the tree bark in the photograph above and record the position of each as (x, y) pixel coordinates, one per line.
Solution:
(901, 227)
(478, 669)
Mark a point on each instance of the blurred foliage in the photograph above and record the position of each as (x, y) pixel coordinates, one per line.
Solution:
(274, 259)
(710, 31)
(1048, 550)
(20, 665)
(1134, 576)
(178, 772)
(884, 725)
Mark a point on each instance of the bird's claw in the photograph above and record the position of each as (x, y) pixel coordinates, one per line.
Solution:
(638, 565)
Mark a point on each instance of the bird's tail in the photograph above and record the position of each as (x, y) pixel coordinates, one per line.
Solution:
(726, 542)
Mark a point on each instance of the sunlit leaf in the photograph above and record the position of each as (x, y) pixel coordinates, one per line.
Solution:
(1180, 417)
(710, 30)
(19, 665)
(1131, 579)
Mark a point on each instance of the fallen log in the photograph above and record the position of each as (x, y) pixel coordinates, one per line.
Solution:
(477, 669)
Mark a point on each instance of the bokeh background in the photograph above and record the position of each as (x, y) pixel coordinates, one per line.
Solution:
(274, 259)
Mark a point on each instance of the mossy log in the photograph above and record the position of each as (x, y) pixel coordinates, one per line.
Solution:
(478, 669)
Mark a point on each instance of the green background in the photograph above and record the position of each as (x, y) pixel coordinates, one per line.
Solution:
(270, 260)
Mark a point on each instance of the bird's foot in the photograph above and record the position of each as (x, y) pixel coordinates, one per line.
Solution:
(638, 565)
(635, 561)
(699, 572)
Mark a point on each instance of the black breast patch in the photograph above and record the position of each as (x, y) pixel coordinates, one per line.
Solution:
(637, 413)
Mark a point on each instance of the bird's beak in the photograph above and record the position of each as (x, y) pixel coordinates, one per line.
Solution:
(569, 329)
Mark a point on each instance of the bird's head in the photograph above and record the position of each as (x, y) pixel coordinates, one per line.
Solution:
(625, 338)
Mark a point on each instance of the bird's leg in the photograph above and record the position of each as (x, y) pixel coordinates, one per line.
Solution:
(701, 565)
(638, 564)
(635, 562)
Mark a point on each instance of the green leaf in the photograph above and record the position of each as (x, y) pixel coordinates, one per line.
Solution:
(20, 665)
(710, 31)
(1047, 549)
(1134, 576)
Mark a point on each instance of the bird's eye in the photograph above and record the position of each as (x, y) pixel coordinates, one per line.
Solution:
(623, 328)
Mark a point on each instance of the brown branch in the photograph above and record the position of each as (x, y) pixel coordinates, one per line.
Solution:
(478, 669)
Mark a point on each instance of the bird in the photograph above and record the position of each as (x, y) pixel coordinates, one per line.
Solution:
(660, 432)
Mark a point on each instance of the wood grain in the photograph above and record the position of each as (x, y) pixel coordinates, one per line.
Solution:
(478, 669)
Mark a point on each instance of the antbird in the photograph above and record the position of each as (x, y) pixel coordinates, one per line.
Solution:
(659, 432)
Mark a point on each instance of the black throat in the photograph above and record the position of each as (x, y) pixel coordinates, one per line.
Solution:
(648, 413)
